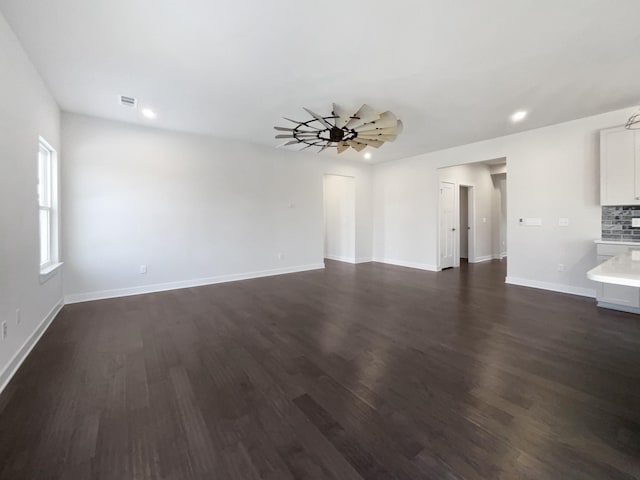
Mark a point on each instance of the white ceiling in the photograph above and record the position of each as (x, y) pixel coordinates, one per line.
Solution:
(453, 71)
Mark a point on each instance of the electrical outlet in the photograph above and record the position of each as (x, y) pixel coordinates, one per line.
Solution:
(143, 269)
(18, 316)
(561, 267)
(5, 330)
(563, 222)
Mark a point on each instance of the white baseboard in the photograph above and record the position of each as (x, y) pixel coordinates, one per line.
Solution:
(402, 263)
(348, 259)
(364, 260)
(14, 364)
(486, 258)
(554, 287)
(162, 287)
(338, 258)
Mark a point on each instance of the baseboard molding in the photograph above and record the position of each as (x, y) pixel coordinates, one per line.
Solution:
(199, 282)
(338, 258)
(484, 258)
(487, 258)
(14, 364)
(554, 287)
(402, 263)
(364, 260)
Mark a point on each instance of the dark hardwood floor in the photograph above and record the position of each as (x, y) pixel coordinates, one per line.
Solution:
(355, 372)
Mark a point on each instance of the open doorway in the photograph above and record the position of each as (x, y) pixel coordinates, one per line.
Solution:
(472, 224)
(467, 228)
(340, 218)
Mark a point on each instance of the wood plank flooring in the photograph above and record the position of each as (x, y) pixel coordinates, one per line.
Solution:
(355, 372)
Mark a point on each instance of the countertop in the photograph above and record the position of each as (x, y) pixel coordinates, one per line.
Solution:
(623, 269)
(618, 242)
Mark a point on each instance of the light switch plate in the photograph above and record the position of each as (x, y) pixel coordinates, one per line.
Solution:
(533, 222)
(635, 222)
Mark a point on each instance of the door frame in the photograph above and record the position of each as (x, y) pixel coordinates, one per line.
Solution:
(439, 226)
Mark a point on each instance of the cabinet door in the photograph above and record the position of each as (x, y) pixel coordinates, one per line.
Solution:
(618, 294)
(618, 182)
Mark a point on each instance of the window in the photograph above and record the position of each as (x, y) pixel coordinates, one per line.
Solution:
(48, 203)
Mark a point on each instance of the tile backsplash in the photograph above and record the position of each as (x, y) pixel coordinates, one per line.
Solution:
(616, 223)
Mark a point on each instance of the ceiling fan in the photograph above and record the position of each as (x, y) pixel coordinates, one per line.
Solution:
(634, 121)
(365, 128)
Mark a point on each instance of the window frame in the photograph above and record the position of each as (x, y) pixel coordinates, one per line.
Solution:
(47, 193)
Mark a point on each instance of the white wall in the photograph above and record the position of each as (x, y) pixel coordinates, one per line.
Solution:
(553, 173)
(339, 218)
(194, 209)
(27, 111)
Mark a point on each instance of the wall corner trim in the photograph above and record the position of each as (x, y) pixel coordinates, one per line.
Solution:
(23, 352)
(198, 282)
(554, 287)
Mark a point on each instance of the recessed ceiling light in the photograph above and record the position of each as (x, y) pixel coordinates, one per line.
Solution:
(147, 112)
(367, 156)
(518, 116)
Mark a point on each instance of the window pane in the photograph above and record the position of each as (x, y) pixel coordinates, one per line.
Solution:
(40, 177)
(45, 229)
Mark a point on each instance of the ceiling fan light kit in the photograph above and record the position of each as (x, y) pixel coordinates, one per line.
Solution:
(342, 130)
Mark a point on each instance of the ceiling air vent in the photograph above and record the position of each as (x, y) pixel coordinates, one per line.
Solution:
(128, 101)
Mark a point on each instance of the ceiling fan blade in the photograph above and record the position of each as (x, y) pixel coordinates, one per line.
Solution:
(382, 138)
(301, 124)
(318, 118)
(381, 131)
(366, 114)
(308, 145)
(386, 120)
(326, 145)
(291, 142)
(343, 147)
(286, 129)
(297, 135)
(358, 147)
(369, 141)
(342, 114)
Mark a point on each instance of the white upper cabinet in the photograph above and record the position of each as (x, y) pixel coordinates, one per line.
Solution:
(619, 167)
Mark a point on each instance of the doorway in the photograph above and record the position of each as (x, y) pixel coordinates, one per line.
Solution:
(472, 213)
(339, 218)
(466, 217)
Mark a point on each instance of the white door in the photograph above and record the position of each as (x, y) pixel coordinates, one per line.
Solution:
(447, 229)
